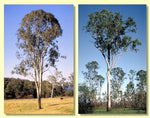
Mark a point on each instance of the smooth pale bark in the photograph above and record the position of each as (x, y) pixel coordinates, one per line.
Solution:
(108, 81)
(52, 91)
(100, 94)
(108, 91)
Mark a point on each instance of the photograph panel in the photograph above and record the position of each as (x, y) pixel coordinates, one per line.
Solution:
(39, 59)
(112, 68)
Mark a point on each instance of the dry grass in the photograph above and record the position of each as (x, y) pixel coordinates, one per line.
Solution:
(49, 106)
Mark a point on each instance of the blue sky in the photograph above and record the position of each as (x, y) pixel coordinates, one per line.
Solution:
(12, 19)
(131, 60)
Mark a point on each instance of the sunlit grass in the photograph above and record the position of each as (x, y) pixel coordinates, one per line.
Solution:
(49, 106)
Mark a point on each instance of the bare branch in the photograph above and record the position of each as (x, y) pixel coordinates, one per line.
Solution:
(105, 58)
(117, 58)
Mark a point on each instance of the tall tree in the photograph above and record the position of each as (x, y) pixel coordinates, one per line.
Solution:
(36, 38)
(110, 34)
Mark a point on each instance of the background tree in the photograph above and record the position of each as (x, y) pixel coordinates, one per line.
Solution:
(141, 78)
(100, 82)
(84, 98)
(142, 88)
(90, 77)
(63, 84)
(53, 79)
(36, 38)
(129, 94)
(130, 89)
(118, 77)
(71, 79)
(109, 32)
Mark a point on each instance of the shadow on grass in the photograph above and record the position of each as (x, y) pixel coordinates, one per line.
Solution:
(58, 104)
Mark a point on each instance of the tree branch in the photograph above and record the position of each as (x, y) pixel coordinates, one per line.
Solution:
(105, 58)
(117, 58)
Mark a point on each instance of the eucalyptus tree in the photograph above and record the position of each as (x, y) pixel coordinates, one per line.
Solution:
(71, 79)
(141, 77)
(111, 34)
(130, 93)
(118, 77)
(37, 39)
(53, 79)
(130, 87)
(100, 81)
(91, 79)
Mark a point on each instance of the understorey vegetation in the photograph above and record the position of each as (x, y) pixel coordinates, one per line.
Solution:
(25, 89)
(128, 91)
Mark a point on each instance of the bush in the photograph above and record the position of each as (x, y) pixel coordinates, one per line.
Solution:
(69, 93)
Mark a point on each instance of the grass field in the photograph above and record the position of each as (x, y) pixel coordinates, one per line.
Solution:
(49, 106)
(117, 111)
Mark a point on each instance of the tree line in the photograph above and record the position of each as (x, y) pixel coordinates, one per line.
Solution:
(129, 96)
(19, 88)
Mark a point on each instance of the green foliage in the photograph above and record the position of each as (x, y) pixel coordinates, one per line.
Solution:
(71, 79)
(142, 88)
(69, 93)
(84, 98)
(36, 38)
(91, 78)
(88, 91)
(100, 79)
(109, 31)
(18, 88)
(141, 78)
(132, 101)
(46, 92)
(91, 73)
(111, 35)
(118, 77)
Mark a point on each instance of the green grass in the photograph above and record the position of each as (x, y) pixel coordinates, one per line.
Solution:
(102, 110)
(49, 106)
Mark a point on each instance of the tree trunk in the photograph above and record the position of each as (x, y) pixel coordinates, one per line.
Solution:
(39, 98)
(52, 91)
(108, 91)
(100, 95)
(108, 82)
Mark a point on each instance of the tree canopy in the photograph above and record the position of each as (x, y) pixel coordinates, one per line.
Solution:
(36, 38)
(109, 31)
